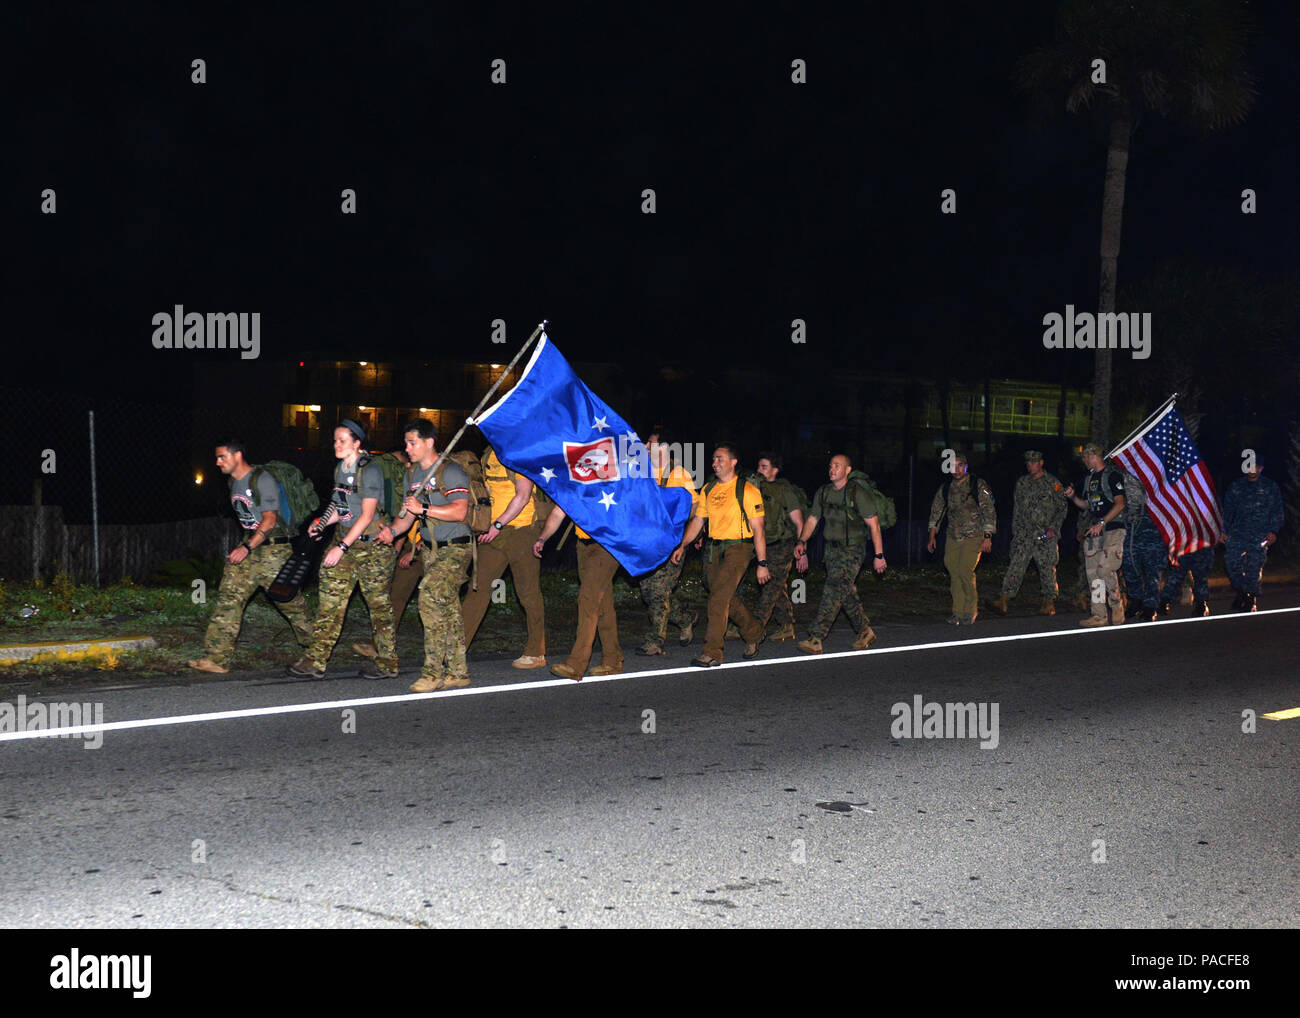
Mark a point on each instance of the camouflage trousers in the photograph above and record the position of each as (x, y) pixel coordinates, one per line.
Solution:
(370, 566)
(1103, 557)
(773, 597)
(1045, 554)
(659, 592)
(1199, 562)
(445, 572)
(1144, 556)
(238, 585)
(843, 563)
(1244, 560)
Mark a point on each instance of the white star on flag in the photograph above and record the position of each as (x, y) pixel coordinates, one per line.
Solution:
(607, 500)
(600, 424)
(548, 474)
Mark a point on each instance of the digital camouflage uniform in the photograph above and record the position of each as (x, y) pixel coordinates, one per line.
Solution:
(1040, 505)
(240, 582)
(847, 542)
(659, 588)
(1251, 511)
(780, 499)
(1199, 562)
(366, 564)
(1104, 554)
(1145, 554)
(970, 517)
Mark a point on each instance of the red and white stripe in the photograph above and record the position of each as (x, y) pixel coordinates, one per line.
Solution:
(1187, 512)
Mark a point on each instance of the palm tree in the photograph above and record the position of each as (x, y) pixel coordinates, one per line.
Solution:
(1184, 59)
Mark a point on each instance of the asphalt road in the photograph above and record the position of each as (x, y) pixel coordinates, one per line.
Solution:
(1122, 791)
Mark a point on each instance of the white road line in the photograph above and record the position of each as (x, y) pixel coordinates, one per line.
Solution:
(514, 687)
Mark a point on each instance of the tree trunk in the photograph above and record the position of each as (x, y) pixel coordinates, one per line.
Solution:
(1112, 218)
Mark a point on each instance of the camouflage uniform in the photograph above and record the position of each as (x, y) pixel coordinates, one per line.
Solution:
(1199, 562)
(971, 515)
(371, 566)
(445, 571)
(659, 592)
(1104, 554)
(1145, 555)
(238, 585)
(773, 603)
(847, 541)
(1040, 506)
(1251, 511)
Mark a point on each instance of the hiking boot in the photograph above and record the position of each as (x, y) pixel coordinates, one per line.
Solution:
(733, 632)
(1201, 609)
(782, 634)
(365, 649)
(812, 645)
(604, 669)
(529, 661)
(454, 682)
(1003, 604)
(426, 684)
(1164, 608)
(650, 650)
(704, 661)
(1049, 606)
(969, 620)
(206, 664)
(688, 630)
(375, 670)
(1094, 620)
(865, 639)
(565, 672)
(304, 669)
(751, 651)
(954, 620)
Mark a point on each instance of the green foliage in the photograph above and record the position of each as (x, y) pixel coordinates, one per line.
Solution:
(183, 572)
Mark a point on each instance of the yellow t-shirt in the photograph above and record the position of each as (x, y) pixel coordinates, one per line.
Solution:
(502, 489)
(679, 478)
(718, 506)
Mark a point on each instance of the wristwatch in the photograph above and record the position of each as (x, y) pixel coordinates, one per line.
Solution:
(762, 563)
(880, 554)
(497, 525)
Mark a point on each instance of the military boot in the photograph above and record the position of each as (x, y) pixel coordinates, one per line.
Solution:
(812, 645)
(865, 639)
(1201, 609)
(1049, 606)
(1080, 603)
(1164, 608)
(1003, 604)
(782, 634)
(1239, 601)
(1250, 604)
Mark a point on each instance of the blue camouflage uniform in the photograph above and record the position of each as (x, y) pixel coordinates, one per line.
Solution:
(1251, 511)
(1199, 562)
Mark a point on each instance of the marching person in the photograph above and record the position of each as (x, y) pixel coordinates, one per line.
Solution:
(972, 521)
(596, 571)
(784, 505)
(1252, 515)
(1036, 518)
(406, 577)
(440, 510)
(733, 509)
(1104, 542)
(658, 590)
(508, 544)
(849, 510)
(356, 559)
(253, 563)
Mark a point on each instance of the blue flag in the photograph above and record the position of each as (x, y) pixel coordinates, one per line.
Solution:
(560, 435)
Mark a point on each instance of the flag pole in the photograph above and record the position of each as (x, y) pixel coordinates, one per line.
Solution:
(495, 385)
(1138, 430)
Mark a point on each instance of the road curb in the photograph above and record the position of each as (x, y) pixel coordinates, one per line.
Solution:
(72, 650)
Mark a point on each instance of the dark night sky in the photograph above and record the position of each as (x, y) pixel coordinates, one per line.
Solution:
(522, 201)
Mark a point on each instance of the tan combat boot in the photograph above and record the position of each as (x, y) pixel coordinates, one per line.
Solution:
(1049, 607)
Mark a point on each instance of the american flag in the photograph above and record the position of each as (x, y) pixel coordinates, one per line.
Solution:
(1181, 498)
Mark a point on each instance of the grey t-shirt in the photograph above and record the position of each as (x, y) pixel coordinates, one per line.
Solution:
(249, 504)
(350, 487)
(422, 485)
